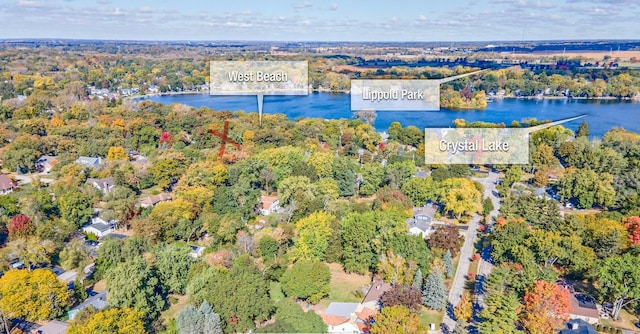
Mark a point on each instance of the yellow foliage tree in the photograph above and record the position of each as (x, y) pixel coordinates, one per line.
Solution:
(117, 153)
(36, 295)
(464, 308)
(115, 320)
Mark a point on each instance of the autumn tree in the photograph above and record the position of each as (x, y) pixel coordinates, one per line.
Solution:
(460, 196)
(464, 309)
(394, 268)
(396, 320)
(400, 294)
(546, 308)
(446, 237)
(20, 226)
(313, 235)
(117, 153)
(633, 226)
(32, 250)
(35, 295)
(113, 320)
(307, 280)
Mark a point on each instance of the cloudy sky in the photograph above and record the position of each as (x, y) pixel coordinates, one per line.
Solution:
(334, 20)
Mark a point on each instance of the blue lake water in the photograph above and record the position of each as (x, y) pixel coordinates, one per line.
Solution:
(602, 115)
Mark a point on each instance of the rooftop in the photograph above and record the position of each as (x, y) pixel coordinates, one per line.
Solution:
(342, 309)
(378, 287)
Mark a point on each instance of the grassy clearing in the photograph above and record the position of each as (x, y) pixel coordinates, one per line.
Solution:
(625, 320)
(174, 309)
(428, 316)
(344, 286)
(275, 291)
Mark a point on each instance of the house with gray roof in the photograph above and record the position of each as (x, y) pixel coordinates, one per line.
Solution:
(98, 301)
(89, 162)
(105, 185)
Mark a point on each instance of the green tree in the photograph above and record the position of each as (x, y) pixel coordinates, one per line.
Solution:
(420, 190)
(372, 178)
(173, 263)
(290, 318)
(307, 280)
(587, 187)
(400, 172)
(35, 295)
(394, 130)
(619, 281)
(447, 261)
(501, 313)
(240, 295)
(135, 284)
(74, 255)
(583, 130)
(268, 247)
(75, 207)
(343, 173)
(200, 320)
(418, 279)
(434, 294)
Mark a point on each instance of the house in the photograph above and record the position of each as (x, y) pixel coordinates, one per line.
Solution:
(6, 184)
(426, 213)
(151, 201)
(372, 298)
(89, 162)
(578, 326)
(105, 185)
(423, 220)
(97, 300)
(419, 228)
(45, 163)
(68, 277)
(196, 251)
(99, 227)
(269, 205)
(347, 317)
(584, 308)
(52, 327)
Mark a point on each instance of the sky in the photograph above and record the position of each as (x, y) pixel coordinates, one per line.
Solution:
(333, 20)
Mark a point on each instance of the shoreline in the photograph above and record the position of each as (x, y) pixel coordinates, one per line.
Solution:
(489, 100)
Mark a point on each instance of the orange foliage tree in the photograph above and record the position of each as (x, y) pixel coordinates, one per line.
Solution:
(633, 226)
(546, 308)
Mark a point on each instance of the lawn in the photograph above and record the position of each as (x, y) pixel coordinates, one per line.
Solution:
(625, 320)
(174, 309)
(428, 316)
(344, 286)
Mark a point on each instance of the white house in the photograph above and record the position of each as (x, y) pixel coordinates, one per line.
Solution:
(269, 205)
(347, 317)
(45, 163)
(99, 227)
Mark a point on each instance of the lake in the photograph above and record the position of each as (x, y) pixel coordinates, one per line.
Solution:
(602, 115)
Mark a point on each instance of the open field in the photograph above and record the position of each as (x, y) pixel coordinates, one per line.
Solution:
(344, 286)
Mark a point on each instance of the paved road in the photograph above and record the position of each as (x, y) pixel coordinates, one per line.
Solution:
(448, 324)
(485, 267)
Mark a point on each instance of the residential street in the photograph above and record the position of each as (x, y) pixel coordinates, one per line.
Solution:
(448, 323)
